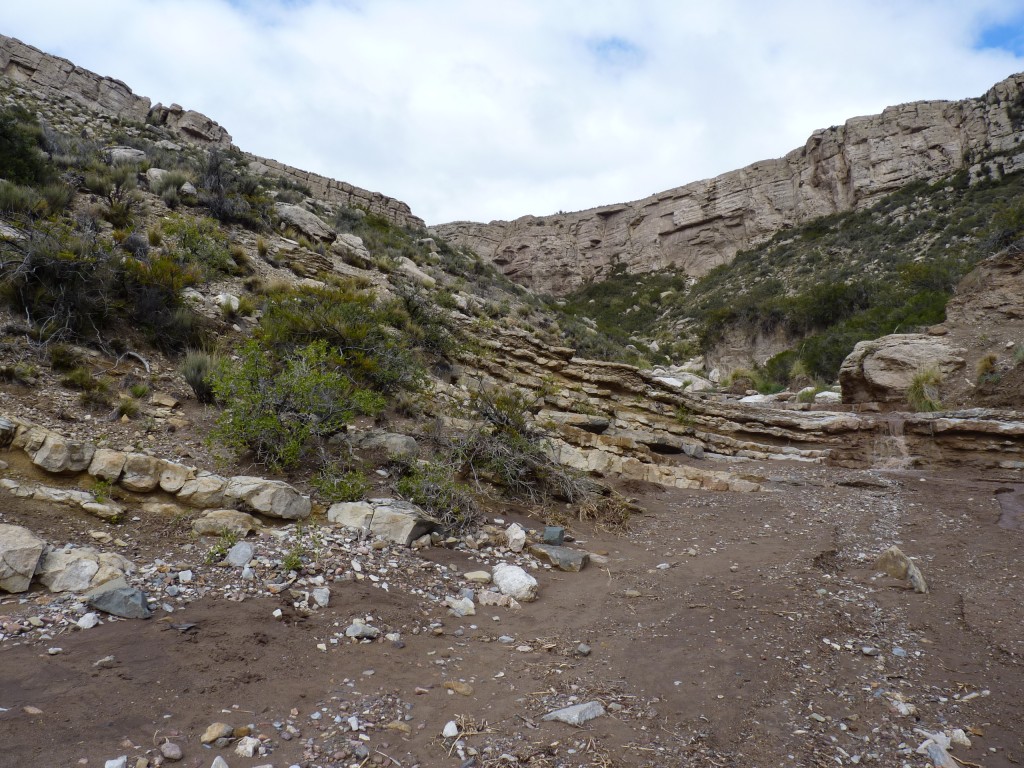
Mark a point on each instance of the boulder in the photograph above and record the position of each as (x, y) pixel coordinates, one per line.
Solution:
(272, 498)
(396, 521)
(393, 444)
(205, 490)
(69, 569)
(118, 155)
(408, 267)
(350, 247)
(217, 521)
(154, 176)
(20, 552)
(141, 472)
(57, 454)
(305, 222)
(107, 464)
(882, 370)
(173, 476)
(513, 581)
(515, 537)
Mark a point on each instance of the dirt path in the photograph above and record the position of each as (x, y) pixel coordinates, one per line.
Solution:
(725, 629)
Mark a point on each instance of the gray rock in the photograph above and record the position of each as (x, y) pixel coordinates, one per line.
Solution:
(578, 714)
(563, 558)
(401, 446)
(69, 570)
(20, 552)
(240, 554)
(306, 222)
(126, 602)
(57, 454)
(188, 188)
(321, 596)
(117, 155)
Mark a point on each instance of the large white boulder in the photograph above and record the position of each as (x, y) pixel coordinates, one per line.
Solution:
(272, 498)
(513, 581)
(883, 369)
(391, 519)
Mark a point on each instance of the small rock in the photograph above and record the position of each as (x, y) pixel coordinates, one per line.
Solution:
(216, 731)
(105, 663)
(478, 577)
(321, 596)
(171, 751)
(451, 730)
(117, 762)
(247, 746)
(869, 650)
(460, 606)
(88, 621)
(582, 649)
(554, 535)
(578, 714)
(126, 602)
(456, 686)
(563, 558)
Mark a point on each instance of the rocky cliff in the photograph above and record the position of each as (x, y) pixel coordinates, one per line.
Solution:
(32, 69)
(703, 224)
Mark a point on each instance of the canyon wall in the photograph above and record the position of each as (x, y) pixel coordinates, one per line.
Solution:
(29, 68)
(703, 224)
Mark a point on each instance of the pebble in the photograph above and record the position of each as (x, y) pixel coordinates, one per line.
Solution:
(117, 762)
(897, 651)
(869, 650)
(451, 730)
(582, 649)
(88, 621)
(216, 731)
(577, 714)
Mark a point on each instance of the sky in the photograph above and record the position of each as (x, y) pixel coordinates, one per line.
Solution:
(493, 109)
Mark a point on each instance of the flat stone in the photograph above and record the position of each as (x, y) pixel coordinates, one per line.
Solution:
(171, 751)
(478, 577)
(128, 603)
(460, 606)
(578, 714)
(563, 558)
(361, 631)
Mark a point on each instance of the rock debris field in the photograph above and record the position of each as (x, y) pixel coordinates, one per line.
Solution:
(723, 629)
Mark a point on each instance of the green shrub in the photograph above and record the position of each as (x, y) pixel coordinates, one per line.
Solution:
(986, 369)
(81, 378)
(139, 389)
(63, 359)
(923, 394)
(334, 484)
(200, 241)
(21, 160)
(126, 406)
(278, 408)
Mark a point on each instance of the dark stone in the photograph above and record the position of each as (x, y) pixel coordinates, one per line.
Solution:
(126, 602)
(554, 535)
(563, 558)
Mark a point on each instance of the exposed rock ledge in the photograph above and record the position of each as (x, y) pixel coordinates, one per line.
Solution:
(33, 69)
(703, 224)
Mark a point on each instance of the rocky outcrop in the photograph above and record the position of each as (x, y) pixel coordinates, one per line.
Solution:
(703, 224)
(882, 370)
(52, 76)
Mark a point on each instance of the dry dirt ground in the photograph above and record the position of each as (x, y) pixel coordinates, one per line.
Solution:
(724, 630)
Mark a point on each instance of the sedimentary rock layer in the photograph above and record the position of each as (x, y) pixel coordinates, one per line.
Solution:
(703, 224)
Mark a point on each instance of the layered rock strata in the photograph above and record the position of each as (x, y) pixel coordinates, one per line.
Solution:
(700, 225)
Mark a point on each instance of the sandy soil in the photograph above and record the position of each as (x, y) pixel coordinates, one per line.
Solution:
(725, 629)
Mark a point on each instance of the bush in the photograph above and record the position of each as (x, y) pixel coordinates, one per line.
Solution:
(200, 241)
(923, 394)
(278, 408)
(335, 484)
(21, 160)
(986, 369)
(63, 359)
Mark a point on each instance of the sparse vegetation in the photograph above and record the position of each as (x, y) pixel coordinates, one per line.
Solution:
(923, 394)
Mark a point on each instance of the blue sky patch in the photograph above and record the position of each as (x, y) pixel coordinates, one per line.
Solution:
(616, 52)
(1006, 37)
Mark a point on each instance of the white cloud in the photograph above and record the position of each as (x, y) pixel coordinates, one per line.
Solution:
(480, 110)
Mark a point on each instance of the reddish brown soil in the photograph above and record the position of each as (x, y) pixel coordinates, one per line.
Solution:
(719, 659)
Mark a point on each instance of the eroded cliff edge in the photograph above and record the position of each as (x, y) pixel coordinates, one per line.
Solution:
(36, 70)
(700, 225)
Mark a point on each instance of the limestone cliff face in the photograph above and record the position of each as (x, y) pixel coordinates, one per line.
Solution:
(701, 225)
(35, 70)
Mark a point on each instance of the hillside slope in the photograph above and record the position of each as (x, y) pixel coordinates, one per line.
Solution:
(703, 224)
